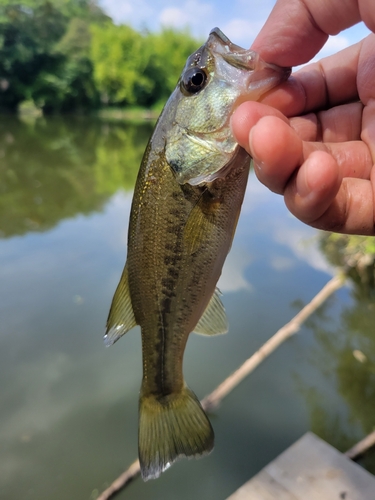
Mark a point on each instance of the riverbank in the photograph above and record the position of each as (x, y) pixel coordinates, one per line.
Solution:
(129, 114)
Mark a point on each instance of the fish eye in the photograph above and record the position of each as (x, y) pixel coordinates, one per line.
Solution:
(193, 80)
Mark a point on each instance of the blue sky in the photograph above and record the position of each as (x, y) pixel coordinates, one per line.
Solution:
(240, 20)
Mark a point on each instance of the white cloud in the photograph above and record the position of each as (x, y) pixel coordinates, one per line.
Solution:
(299, 238)
(281, 263)
(125, 13)
(334, 44)
(343, 40)
(286, 229)
(237, 19)
(241, 31)
(186, 15)
(173, 17)
(119, 11)
(233, 275)
(337, 42)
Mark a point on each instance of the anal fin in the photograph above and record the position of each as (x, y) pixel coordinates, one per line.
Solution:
(121, 317)
(214, 320)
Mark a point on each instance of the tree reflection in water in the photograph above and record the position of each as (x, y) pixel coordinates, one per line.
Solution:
(56, 168)
(347, 354)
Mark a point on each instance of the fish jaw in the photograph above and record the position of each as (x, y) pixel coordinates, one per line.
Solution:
(244, 67)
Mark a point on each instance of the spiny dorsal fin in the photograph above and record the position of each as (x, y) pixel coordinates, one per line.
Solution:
(214, 320)
(121, 317)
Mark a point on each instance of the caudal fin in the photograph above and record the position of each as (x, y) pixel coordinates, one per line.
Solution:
(170, 428)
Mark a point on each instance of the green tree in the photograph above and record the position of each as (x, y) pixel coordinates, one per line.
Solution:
(120, 57)
(345, 351)
(169, 50)
(35, 62)
(132, 68)
(26, 36)
(72, 86)
(67, 55)
(355, 255)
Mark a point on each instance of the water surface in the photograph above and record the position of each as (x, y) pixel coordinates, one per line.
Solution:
(68, 406)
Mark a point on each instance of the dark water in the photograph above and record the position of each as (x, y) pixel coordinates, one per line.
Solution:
(68, 406)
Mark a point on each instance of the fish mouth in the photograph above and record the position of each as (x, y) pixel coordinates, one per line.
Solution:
(262, 76)
(266, 76)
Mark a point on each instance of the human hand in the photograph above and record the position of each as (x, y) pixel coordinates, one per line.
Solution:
(313, 138)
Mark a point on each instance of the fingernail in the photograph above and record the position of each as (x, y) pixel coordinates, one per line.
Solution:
(257, 164)
(302, 183)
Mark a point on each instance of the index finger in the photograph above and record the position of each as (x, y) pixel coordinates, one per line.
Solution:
(296, 30)
(321, 85)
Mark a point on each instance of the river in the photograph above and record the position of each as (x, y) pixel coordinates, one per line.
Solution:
(68, 405)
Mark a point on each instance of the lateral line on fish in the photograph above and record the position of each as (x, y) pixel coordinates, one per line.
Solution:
(162, 332)
(160, 312)
(162, 353)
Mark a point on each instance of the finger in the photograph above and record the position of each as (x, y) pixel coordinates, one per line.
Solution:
(341, 124)
(246, 116)
(350, 211)
(277, 151)
(338, 124)
(296, 30)
(353, 158)
(330, 82)
(313, 188)
(288, 97)
(368, 127)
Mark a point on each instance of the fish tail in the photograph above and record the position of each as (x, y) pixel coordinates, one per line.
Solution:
(171, 427)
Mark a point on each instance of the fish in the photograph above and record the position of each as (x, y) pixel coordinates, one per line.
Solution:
(185, 208)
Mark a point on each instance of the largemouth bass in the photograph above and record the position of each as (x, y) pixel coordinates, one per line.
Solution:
(185, 208)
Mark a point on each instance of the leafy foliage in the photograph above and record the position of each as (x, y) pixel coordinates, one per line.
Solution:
(120, 58)
(138, 68)
(67, 55)
(355, 255)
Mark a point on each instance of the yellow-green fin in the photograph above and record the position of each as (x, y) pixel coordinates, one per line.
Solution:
(214, 320)
(198, 225)
(171, 427)
(121, 317)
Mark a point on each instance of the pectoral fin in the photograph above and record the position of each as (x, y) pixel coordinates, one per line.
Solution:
(214, 320)
(121, 317)
(201, 222)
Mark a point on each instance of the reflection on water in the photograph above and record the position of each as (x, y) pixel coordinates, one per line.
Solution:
(54, 169)
(68, 406)
(346, 357)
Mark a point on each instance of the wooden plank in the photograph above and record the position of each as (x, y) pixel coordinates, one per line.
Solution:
(310, 469)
